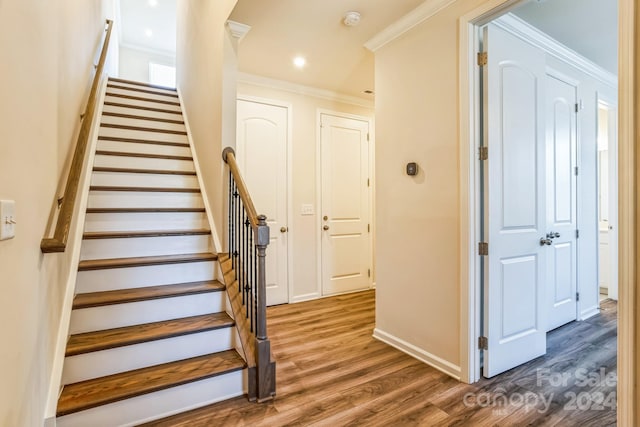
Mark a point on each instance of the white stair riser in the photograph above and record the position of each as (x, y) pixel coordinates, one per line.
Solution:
(122, 359)
(145, 221)
(148, 113)
(142, 134)
(143, 246)
(169, 91)
(120, 179)
(138, 277)
(132, 147)
(137, 313)
(146, 104)
(153, 124)
(133, 199)
(160, 404)
(149, 96)
(143, 163)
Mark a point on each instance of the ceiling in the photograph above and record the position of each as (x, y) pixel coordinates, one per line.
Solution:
(138, 16)
(590, 27)
(336, 57)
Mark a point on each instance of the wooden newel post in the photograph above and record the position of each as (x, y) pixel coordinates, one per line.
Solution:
(266, 375)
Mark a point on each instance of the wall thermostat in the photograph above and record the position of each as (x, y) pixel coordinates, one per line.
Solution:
(412, 169)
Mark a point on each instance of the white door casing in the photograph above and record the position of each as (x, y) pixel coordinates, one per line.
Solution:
(345, 206)
(561, 197)
(261, 146)
(515, 211)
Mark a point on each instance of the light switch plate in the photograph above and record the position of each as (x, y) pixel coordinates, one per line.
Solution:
(307, 209)
(7, 219)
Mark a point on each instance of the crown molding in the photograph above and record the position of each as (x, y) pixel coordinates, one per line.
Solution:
(158, 52)
(238, 30)
(299, 89)
(537, 38)
(420, 14)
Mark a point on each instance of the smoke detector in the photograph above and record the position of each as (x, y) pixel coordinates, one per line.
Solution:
(351, 19)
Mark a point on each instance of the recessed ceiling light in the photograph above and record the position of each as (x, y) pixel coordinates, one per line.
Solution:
(153, 3)
(148, 32)
(351, 19)
(299, 62)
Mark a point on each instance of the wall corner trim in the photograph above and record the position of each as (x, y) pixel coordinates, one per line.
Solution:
(237, 29)
(417, 16)
(418, 353)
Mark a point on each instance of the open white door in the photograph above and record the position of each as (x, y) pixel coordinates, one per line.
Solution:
(261, 146)
(562, 223)
(515, 214)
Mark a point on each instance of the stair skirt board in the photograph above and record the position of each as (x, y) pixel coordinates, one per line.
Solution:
(136, 356)
(142, 134)
(131, 147)
(132, 221)
(117, 199)
(140, 121)
(124, 179)
(143, 163)
(160, 404)
(138, 277)
(143, 246)
(141, 312)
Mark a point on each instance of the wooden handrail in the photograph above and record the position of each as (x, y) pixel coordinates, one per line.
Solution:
(229, 157)
(61, 233)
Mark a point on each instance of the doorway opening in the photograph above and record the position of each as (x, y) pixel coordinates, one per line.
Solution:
(564, 185)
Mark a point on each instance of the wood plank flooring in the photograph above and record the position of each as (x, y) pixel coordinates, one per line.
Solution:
(331, 372)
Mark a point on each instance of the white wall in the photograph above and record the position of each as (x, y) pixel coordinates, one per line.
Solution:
(304, 148)
(134, 63)
(48, 49)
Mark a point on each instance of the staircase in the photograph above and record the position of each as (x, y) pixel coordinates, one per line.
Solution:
(149, 333)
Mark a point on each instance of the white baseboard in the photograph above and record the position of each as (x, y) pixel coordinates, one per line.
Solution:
(418, 353)
(305, 297)
(590, 312)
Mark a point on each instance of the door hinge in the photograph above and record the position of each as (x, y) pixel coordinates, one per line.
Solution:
(368, 228)
(368, 137)
(575, 171)
(484, 153)
(577, 107)
(369, 273)
(482, 59)
(577, 296)
(368, 182)
(483, 248)
(483, 343)
(577, 234)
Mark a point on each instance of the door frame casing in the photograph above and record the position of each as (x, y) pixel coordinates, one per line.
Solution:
(290, 231)
(320, 112)
(469, 181)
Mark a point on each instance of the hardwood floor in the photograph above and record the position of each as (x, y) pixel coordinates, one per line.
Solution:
(331, 372)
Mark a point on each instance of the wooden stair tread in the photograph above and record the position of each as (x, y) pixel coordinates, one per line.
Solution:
(145, 171)
(137, 117)
(142, 141)
(101, 391)
(140, 98)
(146, 210)
(133, 82)
(123, 296)
(144, 189)
(92, 235)
(143, 129)
(143, 155)
(136, 89)
(119, 337)
(140, 107)
(99, 264)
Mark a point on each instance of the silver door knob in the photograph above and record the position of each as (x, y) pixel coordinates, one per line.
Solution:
(545, 242)
(283, 229)
(325, 228)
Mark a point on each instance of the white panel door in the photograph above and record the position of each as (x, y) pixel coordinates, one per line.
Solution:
(515, 212)
(346, 243)
(261, 149)
(561, 202)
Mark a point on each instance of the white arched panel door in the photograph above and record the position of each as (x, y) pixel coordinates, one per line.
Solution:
(261, 151)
